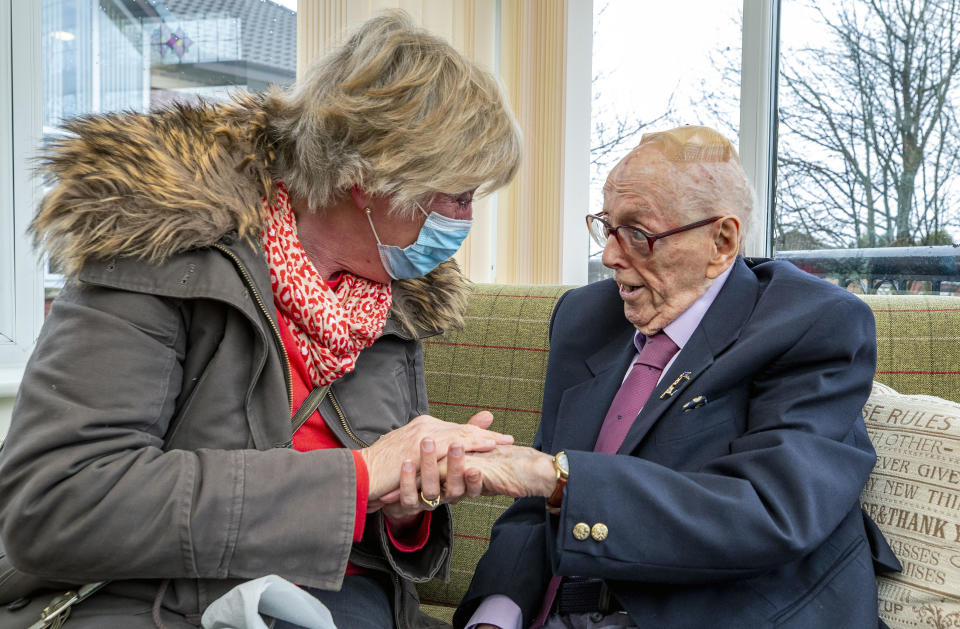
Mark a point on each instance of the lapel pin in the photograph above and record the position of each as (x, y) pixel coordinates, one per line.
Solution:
(673, 386)
(696, 402)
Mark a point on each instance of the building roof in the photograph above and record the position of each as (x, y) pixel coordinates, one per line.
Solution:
(268, 31)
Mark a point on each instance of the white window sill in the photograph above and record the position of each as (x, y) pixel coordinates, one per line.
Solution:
(10, 380)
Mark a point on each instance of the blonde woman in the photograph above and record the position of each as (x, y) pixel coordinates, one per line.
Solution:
(231, 383)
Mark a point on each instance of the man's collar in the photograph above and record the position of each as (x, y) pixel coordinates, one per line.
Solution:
(681, 329)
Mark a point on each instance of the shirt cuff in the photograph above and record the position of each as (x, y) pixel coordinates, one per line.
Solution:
(497, 610)
(417, 540)
(363, 493)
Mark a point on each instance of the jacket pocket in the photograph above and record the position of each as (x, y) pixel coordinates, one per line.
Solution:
(682, 424)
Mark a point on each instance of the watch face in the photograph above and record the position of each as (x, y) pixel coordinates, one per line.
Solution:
(562, 462)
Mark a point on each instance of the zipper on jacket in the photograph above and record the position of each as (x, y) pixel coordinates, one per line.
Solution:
(278, 340)
(343, 421)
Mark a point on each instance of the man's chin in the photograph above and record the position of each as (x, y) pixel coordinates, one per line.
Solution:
(641, 318)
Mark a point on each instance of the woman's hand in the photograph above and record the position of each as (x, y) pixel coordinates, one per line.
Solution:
(404, 506)
(386, 458)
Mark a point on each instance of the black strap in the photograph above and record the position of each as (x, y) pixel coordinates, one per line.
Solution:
(582, 595)
(311, 404)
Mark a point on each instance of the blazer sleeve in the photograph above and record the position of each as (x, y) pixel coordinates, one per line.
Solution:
(515, 564)
(772, 495)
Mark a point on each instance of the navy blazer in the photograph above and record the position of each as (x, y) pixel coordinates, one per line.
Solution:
(738, 510)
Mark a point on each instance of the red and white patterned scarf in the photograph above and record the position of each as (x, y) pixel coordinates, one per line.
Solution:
(330, 326)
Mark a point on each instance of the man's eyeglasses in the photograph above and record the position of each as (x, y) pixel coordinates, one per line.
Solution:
(634, 239)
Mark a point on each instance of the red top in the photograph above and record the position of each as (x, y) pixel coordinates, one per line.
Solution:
(314, 434)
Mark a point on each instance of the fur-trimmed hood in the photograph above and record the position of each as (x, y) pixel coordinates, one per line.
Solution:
(153, 185)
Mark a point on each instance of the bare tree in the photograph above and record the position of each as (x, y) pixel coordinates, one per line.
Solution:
(611, 137)
(613, 134)
(869, 131)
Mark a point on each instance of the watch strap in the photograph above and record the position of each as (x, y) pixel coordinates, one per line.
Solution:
(555, 501)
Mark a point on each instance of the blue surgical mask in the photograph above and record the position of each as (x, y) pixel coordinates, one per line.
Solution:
(439, 238)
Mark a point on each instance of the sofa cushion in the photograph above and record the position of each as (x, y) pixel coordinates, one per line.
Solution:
(497, 362)
(914, 497)
(918, 344)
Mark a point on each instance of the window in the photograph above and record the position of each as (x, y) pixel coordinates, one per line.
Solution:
(21, 296)
(110, 55)
(868, 179)
(655, 68)
(106, 55)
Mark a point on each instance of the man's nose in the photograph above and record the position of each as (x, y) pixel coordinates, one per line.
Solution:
(613, 254)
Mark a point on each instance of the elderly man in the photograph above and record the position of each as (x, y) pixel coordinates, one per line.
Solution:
(701, 450)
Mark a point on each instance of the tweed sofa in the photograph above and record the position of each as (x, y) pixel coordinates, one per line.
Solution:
(498, 361)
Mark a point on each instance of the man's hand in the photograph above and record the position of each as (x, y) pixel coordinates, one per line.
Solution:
(515, 471)
(385, 458)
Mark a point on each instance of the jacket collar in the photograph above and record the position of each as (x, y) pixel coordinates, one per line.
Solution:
(421, 307)
(720, 328)
(583, 407)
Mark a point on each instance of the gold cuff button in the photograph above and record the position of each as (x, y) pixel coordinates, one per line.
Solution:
(599, 531)
(581, 531)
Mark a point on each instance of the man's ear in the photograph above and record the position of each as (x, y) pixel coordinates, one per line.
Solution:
(360, 197)
(726, 246)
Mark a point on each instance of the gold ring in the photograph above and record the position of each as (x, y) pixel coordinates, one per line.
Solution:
(433, 504)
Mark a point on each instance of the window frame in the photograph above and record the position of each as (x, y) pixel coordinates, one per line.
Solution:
(21, 103)
(759, 64)
(759, 70)
(575, 243)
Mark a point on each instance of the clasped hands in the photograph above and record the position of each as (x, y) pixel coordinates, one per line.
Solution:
(429, 458)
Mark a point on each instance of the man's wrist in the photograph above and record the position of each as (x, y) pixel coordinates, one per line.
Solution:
(547, 474)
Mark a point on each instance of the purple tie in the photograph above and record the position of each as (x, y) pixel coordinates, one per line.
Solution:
(633, 393)
(636, 388)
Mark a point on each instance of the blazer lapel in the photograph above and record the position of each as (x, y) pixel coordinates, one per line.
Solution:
(584, 406)
(718, 329)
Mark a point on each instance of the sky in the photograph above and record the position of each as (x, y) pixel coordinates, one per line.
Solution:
(649, 55)
(644, 52)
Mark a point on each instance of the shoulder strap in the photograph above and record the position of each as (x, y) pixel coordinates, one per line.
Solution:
(311, 404)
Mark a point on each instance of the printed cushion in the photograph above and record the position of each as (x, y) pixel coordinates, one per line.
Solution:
(913, 495)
